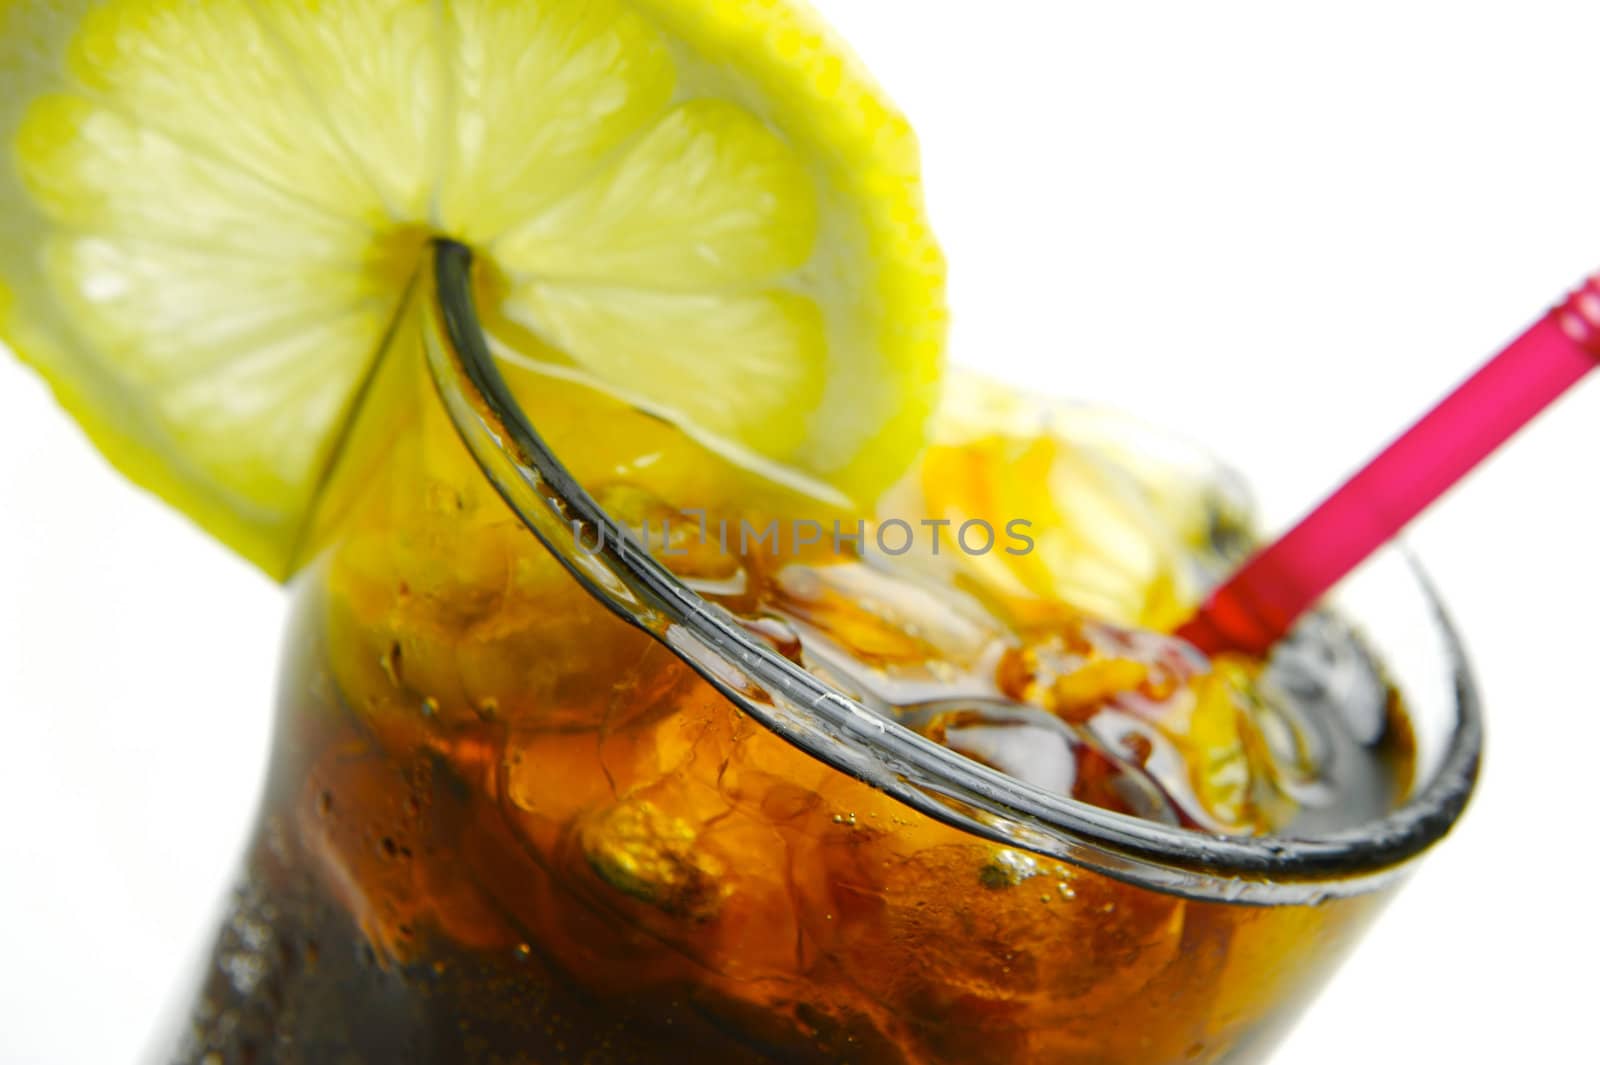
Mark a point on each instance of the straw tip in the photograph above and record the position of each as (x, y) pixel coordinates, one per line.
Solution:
(1578, 316)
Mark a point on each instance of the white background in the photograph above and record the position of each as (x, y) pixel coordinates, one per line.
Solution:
(1283, 228)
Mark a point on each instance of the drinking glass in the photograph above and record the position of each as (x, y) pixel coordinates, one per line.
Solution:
(533, 797)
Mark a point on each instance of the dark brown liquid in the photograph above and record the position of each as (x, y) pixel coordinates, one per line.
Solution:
(404, 902)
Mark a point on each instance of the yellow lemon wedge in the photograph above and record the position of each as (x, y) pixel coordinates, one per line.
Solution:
(210, 211)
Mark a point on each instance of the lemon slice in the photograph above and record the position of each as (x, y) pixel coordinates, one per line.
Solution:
(211, 210)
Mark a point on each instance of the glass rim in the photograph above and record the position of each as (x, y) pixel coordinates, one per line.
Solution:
(830, 725)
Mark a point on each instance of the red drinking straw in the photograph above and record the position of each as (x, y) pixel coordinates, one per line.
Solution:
(1260, 603)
